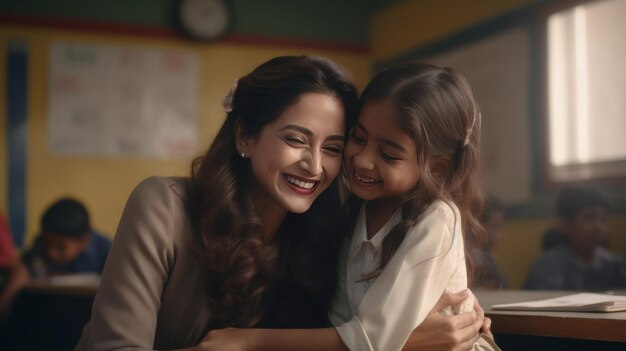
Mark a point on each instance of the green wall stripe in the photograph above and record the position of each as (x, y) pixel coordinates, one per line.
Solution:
(322, 20)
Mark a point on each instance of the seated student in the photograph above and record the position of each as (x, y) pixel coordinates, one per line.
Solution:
(67, 244)
(582, 263)
(487, 271)
(552, 238)
(13, 274)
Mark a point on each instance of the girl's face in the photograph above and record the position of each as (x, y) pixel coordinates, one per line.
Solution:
(297, 156)
(381, 160)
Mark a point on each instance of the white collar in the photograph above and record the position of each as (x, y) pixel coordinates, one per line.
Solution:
(360, 230)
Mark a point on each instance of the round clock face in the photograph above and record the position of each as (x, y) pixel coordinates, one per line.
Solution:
(205, 19)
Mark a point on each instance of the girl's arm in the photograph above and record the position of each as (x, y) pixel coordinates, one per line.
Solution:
(400, 299)
(437, 332)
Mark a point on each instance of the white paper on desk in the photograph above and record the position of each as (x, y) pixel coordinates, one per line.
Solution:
(80, 279)
(582, 302)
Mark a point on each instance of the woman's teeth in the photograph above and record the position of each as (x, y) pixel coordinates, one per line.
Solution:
(300, 183)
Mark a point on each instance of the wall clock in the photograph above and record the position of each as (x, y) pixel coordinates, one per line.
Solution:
(206, 20)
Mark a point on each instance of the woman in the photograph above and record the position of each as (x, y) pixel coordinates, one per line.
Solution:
(236, 243)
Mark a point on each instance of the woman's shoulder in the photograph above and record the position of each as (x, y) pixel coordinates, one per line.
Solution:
(155, 209)
(156, 186)
(176, 184)
(155, 196)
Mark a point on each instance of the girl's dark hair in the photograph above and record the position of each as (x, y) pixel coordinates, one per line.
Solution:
(436, 108)
(250, 282)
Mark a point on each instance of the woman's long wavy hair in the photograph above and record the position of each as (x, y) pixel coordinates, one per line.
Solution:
(250, 282)
(435, 106)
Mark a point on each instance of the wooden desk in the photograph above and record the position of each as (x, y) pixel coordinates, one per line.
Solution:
(78, 285)
(50, 315)
(573, 325)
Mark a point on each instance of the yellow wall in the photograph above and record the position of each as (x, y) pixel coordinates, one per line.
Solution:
(412, 24)
(520, 245)
(105, 183)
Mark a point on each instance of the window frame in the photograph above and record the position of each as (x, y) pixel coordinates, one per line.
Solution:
(606, 172)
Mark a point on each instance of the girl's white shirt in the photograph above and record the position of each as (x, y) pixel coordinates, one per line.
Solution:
(381, 313)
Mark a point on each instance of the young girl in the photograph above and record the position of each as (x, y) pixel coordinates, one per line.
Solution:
(412, 161)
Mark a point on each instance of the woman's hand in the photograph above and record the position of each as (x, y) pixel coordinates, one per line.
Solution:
(449, 333)
(228, 339)
(233, 339)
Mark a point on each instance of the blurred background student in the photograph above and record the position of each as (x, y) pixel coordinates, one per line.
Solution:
(552, 237)
(67, 244)
(488, 273)
(582, 262)
(13, 275)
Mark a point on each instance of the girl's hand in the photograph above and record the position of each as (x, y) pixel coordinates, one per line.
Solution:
(228, 339)
(455, 333)
(486, 327)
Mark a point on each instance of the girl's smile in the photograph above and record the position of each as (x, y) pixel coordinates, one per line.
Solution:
(366, 181)
(380, 158)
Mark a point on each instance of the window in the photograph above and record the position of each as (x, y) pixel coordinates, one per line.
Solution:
(586, 107)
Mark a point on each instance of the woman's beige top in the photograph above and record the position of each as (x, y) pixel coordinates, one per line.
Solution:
(152, 292)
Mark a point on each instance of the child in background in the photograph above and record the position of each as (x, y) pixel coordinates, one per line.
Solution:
(13, 273)
(412, 162)
(582, 262)
(67, 244)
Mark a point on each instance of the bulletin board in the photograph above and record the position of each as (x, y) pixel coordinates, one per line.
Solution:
(121, 101)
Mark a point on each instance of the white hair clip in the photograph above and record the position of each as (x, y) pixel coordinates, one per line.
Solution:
(469, 131)
(227, 102)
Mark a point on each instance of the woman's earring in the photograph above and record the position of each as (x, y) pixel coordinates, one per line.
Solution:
(243, 155)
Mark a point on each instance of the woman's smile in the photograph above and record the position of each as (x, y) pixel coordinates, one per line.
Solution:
(301, 185)
(297, 156)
